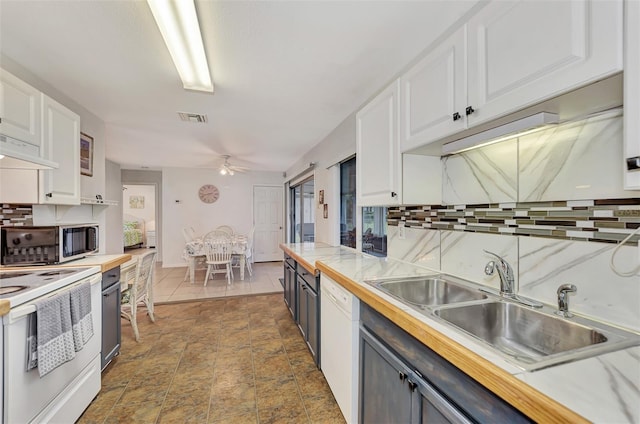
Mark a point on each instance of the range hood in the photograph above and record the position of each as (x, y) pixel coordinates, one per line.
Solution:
(518, 127)
(16, 154)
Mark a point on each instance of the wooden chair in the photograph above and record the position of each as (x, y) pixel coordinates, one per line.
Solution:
(139, 292)
(218, 251)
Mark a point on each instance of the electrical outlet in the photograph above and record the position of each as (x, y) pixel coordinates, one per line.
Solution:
(401, 231)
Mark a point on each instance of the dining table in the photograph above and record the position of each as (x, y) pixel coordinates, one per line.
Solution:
(195, 249)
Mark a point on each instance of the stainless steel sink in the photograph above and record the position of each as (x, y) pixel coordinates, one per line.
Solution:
(534, 338)
(429, 291)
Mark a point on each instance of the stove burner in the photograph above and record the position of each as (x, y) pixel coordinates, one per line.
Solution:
(11, 289)
(59, 272)
(13, 274)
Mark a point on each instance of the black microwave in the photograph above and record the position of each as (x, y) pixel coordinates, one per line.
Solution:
(45, 245)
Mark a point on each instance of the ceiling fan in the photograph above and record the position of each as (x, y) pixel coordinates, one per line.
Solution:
(227, 169)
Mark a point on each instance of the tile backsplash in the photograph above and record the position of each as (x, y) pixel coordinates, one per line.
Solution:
(551, 203)
(16, 215)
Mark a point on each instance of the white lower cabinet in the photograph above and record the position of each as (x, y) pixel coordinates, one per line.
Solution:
(61, 144)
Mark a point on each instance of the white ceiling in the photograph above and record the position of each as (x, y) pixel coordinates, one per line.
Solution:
(286, 73)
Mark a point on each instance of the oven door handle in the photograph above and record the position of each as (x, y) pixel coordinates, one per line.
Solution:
(21, 311)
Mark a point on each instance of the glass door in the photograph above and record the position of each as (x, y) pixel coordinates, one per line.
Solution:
(302, 213)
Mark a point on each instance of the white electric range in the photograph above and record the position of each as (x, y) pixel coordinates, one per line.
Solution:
(64, 393)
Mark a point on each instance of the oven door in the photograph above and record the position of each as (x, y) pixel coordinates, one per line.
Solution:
(28, 397)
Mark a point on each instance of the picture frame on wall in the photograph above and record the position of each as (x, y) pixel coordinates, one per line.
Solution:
(325, 212)
(86, 155)
(321, 197)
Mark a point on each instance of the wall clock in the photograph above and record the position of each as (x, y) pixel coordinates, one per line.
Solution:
(208, 193)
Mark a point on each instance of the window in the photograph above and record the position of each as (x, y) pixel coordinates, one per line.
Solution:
(302, 212)
(348, 203)
(374, 230)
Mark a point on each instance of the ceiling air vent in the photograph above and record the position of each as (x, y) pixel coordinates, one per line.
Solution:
(192, 117)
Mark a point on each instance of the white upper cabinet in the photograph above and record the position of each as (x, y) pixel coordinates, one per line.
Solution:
(379, 167)
(61, 144)
(509, 56)
(522, 52)
(433, 94)
(632, 96)
(19, 109)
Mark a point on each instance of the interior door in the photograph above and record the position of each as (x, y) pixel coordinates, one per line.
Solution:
(269, 222)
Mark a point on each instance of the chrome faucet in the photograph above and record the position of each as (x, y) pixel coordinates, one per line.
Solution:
(563, 299)
(507, 280)
(508, 287)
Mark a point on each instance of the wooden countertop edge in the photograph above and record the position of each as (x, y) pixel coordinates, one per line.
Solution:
(302, 261)
(124, 258)
(520, 395)
(5, 306)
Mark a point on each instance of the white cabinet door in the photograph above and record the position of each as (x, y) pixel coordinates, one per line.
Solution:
(61, 144)
(19, 109)
(522, 52)
(432, 92)
(632, 95)
(378, 167)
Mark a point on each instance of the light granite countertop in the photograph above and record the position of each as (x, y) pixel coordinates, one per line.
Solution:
(604, 388)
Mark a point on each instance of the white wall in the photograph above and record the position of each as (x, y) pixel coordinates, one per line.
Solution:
(148, 212)
(113, 219)
(339, 145)
(181, 206)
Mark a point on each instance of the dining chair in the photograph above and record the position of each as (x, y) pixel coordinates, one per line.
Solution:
(227, 229)
(248, 254)
(188, 234)
(139, 292)
(216, 234)
(218, 251)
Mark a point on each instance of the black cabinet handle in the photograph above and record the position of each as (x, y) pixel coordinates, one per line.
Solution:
(469, 110)
(394, 194)
(49, 195)
(402, 375)
(456, 116)
(412, 385)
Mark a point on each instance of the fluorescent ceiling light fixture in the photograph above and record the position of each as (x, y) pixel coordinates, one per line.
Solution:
(178, 23)
(515, 128)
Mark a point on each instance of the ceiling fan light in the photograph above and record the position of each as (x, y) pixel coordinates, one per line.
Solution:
(223, 171)
(230, 172)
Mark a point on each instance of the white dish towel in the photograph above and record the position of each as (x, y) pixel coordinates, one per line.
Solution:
(81, 319)
(55, 332)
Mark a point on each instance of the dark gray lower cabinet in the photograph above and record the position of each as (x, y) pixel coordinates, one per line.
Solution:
(301, 289)
(290, 285)
(308, 310)
(403, 381)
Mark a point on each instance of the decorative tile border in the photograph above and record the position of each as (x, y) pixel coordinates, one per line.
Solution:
(16, 215)
(608, 220)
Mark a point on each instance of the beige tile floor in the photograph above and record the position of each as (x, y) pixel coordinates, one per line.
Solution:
(170, 285)
(230, 360)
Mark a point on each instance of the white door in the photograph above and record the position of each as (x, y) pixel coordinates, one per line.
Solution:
(378, 151)
(521, 52)
(19, 109)
(434, 94)
(61, 144)
(268, 219)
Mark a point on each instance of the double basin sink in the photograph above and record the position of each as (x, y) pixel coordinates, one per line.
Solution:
(531, 338)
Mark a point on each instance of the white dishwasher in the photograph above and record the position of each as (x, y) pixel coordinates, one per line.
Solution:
(339, 344)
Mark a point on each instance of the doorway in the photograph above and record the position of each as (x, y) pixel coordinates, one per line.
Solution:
(139, 215)
(268, 220)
